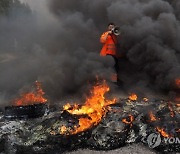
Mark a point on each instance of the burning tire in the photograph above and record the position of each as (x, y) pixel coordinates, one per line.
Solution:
(28, 111)
(111, 133)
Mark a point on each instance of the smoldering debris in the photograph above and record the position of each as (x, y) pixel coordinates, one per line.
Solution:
(60, 47)
(117, 129)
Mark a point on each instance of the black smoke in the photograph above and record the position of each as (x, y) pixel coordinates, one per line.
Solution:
(58, 44)
(35, 45)
(149, 41)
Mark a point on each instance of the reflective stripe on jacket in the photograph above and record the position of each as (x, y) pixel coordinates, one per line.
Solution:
(109, 44)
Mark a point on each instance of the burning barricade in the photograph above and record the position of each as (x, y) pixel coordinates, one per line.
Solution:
(99, 123)
(28, 105)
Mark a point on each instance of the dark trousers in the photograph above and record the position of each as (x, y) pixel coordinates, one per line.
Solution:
(116, 66)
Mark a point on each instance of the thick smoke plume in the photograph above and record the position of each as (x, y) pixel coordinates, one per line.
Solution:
(57, 42)
(150, 37)
(35, 45)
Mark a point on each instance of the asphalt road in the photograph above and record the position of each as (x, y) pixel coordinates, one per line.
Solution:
(130, 149)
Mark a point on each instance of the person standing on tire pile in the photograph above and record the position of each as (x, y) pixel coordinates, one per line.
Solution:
(110, 47)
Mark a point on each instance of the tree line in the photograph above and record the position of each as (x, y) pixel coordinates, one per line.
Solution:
(9, 7)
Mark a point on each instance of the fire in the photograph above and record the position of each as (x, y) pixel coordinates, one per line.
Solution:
(63, 129)
(177, 82)
(34, 97)
(133, 97)
(145, 99)
(95, 107)
(172, 114)
(163, 132)
(67, 106)
(128, 120)
(152, 116)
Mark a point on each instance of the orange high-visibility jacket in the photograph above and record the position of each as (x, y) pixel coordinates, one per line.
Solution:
(109, 44)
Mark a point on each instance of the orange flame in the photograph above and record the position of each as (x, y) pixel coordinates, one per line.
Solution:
(145, 99)
(133, 97)
(63, 129)
(128, 120)
(32, 97)
(163, 132)
(177, 82)
(95, 107)
(152, 116)
(172, 114)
